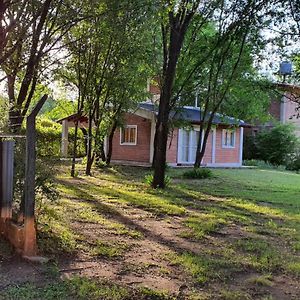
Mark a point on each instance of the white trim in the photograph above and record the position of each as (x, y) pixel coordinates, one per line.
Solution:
(179, 142)
(105, 145)
(214, 142)
(241, 144)
(152, 135)
(224, 165)
(64, 138)
(143, 113)
(148, 85)
(234, 138)
(128, 144)
(283, 110)
(190, 149)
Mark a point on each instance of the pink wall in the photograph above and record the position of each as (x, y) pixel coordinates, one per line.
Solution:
(227, 155)
(139, 152)
(207, 159)
(172, 147)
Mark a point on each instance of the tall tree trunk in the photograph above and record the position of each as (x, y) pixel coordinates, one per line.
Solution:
(162, 125)
(173, 36)
(110, 143)
(161, 139)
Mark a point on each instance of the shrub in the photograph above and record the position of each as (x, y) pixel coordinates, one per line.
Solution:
(49, 139)
(149, 179)
(199, 173)
(277, 144)
(294, 162)
(250, 150)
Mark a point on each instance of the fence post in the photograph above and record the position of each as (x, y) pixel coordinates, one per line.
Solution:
(7, 178)
(30, 247)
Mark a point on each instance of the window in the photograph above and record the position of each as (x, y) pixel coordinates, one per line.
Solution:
(228, 140)
(128, 135)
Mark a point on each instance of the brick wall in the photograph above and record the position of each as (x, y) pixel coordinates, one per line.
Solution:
(172, 147)
(292, 113)
(227, 155)
(274, 109)
(208, 150)
(139, 152)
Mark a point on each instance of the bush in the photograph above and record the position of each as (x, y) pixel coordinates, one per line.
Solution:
(199, 173)
(149, 179)
(49, 139)
(277, 144)
(294, 162)
(261, 164)
(250, 151)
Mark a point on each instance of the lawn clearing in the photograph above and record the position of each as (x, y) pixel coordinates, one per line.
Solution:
(232, 236)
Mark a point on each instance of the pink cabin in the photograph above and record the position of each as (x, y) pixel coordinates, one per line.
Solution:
(134, 141)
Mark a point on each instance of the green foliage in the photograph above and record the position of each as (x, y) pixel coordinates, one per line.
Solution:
(276, 144)
(293, 163)
(198, 173)
(262, 164)
(149, 179)
(58, 109)
(49, 139)
(249, 148)
(3, 114)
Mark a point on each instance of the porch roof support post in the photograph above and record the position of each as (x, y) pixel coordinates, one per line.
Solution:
(214, 141)
(241, 145)
(64, 138)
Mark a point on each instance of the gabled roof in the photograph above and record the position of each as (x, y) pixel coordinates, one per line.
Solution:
(74, 118)
(193, 115)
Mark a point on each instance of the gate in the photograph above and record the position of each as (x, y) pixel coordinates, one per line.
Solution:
(21, 234)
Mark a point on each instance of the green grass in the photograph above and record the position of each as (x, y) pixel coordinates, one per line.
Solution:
(200, 225)
(263, 206)
(281, 188)
(80, 288)
(109, 250)
(261, 254)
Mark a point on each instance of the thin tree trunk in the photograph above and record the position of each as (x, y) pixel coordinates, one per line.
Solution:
(199, 157)
(74, 150)
(85, 134)
(110, 143)
(202, 148)
(90, 157)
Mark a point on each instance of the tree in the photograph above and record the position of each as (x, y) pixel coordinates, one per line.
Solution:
(176, 17)
(27, 47)
(108, 63)
(189, 19)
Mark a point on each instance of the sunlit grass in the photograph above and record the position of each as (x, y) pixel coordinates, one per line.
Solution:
(262, 206)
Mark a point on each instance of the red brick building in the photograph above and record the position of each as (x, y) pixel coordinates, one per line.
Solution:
(134, 141)
(283, 110)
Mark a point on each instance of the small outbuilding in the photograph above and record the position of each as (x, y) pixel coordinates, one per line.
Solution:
(134, 141)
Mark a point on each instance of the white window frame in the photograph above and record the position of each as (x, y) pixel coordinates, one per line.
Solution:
(223, 138)
(135, 138)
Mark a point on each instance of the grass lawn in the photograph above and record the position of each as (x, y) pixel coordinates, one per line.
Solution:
(109, 236)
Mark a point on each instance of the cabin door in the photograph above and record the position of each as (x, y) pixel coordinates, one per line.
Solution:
(187, 146)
